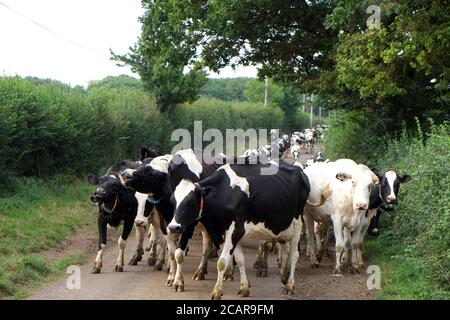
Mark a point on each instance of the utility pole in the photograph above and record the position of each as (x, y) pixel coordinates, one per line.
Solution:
(312, 109)
(266, 90)
(304, 102)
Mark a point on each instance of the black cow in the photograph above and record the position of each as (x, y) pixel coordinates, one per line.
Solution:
(385, 198)
(116, 204)
(237, 201)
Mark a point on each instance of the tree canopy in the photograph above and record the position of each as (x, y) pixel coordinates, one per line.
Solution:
(326, 47)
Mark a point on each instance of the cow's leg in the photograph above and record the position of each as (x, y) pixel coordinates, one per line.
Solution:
(178, 284)
(263, 266)
(172, 263)
(360, 240)
(310, 239)
(240, 260)
(340, 243)
(293, 257)
(155, 236)
(102, 227)
(284, 262)
(225, 259)
(326, 240)
(348, 253)
(207, 250)
(318, 234)
(122, 243)
(259, 255)
(159, 247)
(140, 235)
(119, 263)
(149, 244)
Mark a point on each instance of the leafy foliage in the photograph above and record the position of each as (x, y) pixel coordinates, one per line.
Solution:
(413, 250)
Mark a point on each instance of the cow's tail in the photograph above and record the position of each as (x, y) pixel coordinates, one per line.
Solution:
(324, 195)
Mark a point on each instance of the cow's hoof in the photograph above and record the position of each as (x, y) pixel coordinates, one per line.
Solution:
(169, 282)
(261, 273)
(96, 270)
(158, 266)
(354, 269)
(288, 291)
(244, 292)
(228, 277)
(134, 261)
(216, 295)
(151, 261)
(178, 288)
(118, 269)
(199, 275)
(284, 278)
(337, 272)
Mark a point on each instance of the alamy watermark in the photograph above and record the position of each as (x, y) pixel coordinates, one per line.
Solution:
(374, 20)
(222, 149)
(73, 282)
(374, 280)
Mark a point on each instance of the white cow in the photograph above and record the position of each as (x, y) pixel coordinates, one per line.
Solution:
(340, 190)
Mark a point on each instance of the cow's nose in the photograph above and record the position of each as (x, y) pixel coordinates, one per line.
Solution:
(139, 222)
(361, 206)
(174, 228)
(391, 198)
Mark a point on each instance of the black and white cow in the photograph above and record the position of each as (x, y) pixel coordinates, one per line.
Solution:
(239, 202)
(157, 180)
(384, 199)
(116, 204)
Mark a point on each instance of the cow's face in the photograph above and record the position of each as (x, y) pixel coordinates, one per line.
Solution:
(145, 180)
(391, 186)
(362, 184)
(188, 201)
(106, 195)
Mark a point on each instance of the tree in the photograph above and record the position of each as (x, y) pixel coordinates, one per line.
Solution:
(165, 54)
(401, 69)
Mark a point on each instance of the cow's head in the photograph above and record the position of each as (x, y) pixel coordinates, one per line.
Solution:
(363, 180)
(390, 186)
(145, 179)
(188, 201)
(107, 196)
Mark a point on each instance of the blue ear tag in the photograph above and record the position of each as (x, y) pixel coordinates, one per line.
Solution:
(153, 200)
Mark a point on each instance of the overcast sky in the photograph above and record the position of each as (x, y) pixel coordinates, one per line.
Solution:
(79, 51)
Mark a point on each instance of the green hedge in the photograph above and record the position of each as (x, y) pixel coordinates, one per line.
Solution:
(49, 128)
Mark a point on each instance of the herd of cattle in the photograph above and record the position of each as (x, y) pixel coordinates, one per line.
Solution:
(230, 200)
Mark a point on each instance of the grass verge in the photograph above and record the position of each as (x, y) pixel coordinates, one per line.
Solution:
(39, 215)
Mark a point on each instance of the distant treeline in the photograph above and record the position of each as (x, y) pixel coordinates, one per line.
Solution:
(47, 127)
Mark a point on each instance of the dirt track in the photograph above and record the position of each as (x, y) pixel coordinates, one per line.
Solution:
(141, 282)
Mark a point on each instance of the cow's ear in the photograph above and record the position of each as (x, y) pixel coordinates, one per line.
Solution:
(343, 176)
(92, 179)
(404, 179)
(377, 173)
(206, 191)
